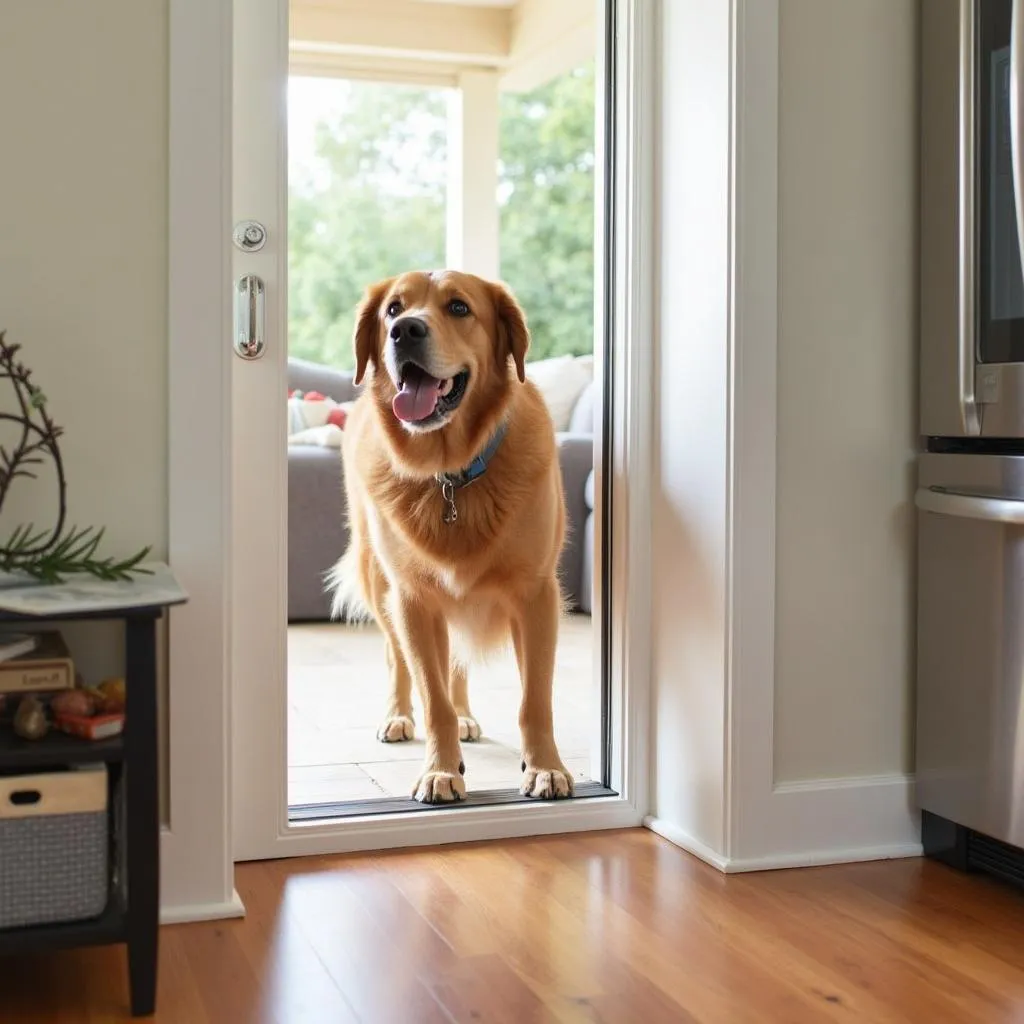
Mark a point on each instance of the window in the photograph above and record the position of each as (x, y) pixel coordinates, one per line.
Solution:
(367, 179)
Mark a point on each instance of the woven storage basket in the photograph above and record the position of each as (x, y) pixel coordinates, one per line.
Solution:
(54, 839)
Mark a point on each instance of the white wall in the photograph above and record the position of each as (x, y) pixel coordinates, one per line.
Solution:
(83, 268)
(848, 141)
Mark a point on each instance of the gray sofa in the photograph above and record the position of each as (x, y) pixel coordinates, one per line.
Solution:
(318, 533)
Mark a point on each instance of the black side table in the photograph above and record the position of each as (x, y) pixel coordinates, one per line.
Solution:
(132, 913)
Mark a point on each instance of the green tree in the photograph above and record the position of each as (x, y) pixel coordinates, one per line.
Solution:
(369, 201)
(547, 211)
(369, 205)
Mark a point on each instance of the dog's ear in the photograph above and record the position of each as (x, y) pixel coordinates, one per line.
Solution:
(512, 327)
(364, 338)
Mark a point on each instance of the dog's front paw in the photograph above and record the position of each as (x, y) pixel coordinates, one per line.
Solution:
(396, 729)
(469, 728)
(439, 787)
(546, 783)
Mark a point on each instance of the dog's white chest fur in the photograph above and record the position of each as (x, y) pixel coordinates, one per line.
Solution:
(392, 551)
(477, 622)
(448, 580)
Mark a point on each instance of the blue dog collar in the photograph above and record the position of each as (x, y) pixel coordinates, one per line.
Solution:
(450, 482)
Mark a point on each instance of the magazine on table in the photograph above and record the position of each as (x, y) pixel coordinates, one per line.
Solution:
(16, 645)
(84, 593)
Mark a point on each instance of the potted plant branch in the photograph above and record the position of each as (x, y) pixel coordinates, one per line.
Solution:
(47, 555)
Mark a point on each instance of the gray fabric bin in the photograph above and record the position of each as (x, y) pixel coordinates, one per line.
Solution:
(54, 841)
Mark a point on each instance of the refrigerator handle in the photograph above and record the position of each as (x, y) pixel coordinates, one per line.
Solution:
(969, 414)
(970, 506)
(1016, 112)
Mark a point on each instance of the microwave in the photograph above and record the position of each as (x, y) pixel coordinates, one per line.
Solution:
(972, 220)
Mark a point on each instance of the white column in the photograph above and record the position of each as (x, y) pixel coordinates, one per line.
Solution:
(472, 241)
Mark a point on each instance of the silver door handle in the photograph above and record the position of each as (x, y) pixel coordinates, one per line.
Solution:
(970, 506)
(250, 317)
(965, 328)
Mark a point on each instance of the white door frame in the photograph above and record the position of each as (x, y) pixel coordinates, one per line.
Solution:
(197, 854)
(261, 825)
(197, 876)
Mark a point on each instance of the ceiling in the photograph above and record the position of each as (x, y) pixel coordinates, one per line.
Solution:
(473, 3)
(527, 42)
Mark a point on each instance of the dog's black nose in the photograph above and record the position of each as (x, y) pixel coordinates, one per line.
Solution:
(409, 332)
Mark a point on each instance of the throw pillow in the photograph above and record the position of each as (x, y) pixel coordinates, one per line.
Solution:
(561, 380)
(311, 409)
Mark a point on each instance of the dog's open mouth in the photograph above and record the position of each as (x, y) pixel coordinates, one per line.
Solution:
(424, 399)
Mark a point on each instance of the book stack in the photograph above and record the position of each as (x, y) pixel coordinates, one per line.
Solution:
(38, 663)
(39, 666)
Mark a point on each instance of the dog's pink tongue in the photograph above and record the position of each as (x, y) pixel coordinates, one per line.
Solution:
(417, 398)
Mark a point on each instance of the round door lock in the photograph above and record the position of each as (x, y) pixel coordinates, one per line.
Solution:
(249, 235)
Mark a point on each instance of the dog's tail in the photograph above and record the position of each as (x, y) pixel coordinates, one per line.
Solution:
(343, 578)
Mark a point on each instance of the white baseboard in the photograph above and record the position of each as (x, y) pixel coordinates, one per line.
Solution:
(818, 858)
(821, 821)
(192, 887)
(679, 837)
(832, 821)
(203, 911)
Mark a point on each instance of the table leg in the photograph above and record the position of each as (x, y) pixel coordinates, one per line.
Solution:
(142, 818)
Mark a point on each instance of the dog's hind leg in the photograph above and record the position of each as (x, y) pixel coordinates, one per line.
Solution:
(458, 691)
(535, 636)
(398, 723)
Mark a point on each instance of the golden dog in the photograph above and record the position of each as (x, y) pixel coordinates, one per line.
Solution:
(456, 515)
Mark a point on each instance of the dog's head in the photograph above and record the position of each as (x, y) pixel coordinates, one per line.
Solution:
(442, 346)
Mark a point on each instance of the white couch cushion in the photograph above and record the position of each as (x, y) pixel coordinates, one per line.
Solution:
(561, 380)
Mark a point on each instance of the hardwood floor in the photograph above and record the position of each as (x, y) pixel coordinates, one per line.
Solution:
(610, 927)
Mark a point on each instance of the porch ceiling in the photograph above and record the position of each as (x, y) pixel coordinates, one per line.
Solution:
(527, 42)
(473, 3)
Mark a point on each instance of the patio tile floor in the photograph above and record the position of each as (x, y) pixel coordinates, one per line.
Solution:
(337, 683)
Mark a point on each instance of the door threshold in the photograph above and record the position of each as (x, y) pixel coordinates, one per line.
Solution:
(405, 804)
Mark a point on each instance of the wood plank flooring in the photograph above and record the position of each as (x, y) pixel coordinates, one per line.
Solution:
(606, 927)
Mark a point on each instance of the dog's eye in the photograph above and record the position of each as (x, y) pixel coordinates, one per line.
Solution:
(394, 308)
(458, 308)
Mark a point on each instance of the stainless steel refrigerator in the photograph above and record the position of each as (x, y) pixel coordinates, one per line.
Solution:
(970, 495)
